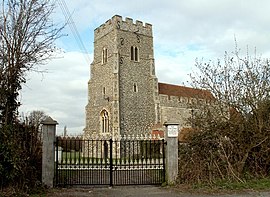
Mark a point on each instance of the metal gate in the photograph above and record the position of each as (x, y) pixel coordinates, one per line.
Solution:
(111, 161)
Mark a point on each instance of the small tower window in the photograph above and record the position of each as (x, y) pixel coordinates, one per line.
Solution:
(104, 94)
(135, 88)
(104, 91)
(104, 121)
(134, 53)
(104, 55)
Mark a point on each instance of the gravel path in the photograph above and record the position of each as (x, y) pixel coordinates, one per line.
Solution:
(145, 191)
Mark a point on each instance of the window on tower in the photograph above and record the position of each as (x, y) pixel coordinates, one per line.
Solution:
(134, 54)
(104, 55)
(104, 92)
(104, 118)
(135, 87)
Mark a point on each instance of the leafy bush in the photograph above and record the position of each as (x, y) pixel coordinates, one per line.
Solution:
(20, 157)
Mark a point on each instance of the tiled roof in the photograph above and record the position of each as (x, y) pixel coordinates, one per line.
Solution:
(183, 91)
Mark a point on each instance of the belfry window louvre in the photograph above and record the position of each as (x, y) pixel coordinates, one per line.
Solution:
(104, 55)
(135, 88)
(134, 54)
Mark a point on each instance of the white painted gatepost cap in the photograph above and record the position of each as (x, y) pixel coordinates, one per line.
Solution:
(49, 121)
(170, 123)
(172, 129)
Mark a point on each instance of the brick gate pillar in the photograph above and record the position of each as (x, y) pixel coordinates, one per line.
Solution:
(48, 139)
(171, 152)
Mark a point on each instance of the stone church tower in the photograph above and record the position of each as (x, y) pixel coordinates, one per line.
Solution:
(123, 89)
(124, 95)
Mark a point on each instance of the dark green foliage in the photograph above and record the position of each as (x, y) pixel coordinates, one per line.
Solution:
(20, 157)
(27, 37)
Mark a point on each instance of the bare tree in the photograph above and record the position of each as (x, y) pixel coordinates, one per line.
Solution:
(238, 82)
(233, 129)
(27, 40)
(35, 118)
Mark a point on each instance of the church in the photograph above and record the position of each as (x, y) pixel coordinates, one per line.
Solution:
(124, 94)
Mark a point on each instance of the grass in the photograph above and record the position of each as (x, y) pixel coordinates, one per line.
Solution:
(226, 185)
(72, 155)
(255, 184)
(38, 191)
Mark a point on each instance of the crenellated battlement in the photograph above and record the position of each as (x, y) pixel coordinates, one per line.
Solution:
(117, 22)
(175, 101)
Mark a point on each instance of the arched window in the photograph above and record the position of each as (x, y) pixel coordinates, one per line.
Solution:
(104, 116)
(104, 55)
(134, 53)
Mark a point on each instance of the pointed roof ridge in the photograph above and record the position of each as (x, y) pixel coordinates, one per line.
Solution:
(49, 121)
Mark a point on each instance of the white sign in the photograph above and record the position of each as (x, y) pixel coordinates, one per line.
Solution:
(172, 130)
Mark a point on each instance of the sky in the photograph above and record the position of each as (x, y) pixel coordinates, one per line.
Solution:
(182, 31)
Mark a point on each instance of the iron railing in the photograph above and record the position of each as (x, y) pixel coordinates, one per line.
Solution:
(107, 161)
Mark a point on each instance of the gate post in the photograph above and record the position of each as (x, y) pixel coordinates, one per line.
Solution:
(111, 162)
(48, 139)
(171, 152)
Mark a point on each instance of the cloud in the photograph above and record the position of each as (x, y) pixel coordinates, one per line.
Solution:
(61, 92)
(177, 24)
(183, 31)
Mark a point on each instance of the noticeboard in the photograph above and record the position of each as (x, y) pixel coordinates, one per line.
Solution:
(172, 130)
